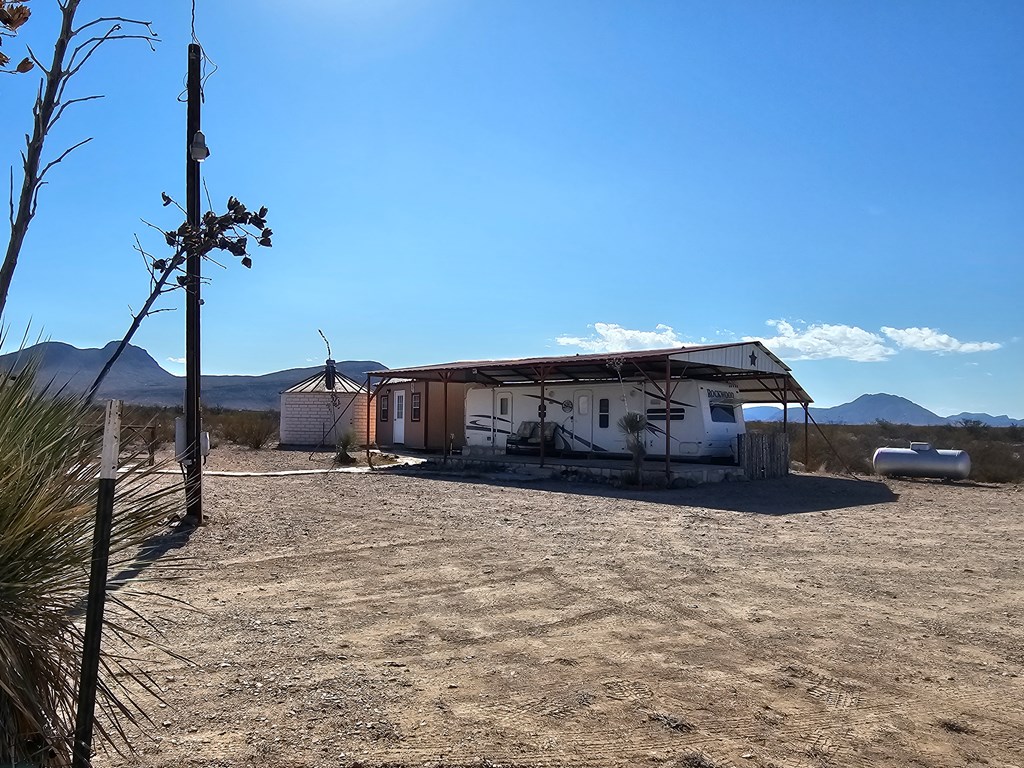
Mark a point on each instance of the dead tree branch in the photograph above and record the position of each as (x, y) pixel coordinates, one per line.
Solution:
(229, 232)
(70, 53)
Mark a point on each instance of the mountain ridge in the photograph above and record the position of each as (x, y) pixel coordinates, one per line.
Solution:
(881, 406)
(139, 379)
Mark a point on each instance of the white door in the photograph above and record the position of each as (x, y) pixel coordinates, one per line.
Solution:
(583, 421)
(398, 428)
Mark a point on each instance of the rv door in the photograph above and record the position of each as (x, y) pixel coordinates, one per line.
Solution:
(503, 425)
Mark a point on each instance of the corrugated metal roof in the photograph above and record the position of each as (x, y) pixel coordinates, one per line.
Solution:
(318, 383)
(760, 375)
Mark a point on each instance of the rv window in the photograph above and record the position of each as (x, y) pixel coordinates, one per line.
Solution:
(584, 405)
(383, 402)
(503, 406)
(723, 413)
(415, 406)
(602, 413)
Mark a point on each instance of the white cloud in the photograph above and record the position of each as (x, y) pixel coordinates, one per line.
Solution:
(930, 340)
(178, 360)
(793, 340)
(823, 341)
(609, 337)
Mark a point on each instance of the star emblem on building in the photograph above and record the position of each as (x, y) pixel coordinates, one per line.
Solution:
(753, 359)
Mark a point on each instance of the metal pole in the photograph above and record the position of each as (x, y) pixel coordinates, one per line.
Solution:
(542, 411)
(369, 414)
(425, 410)
(445, 377)
(807, 449)
(84, 717)
(785, 404)
(193, 426)
(668, 420)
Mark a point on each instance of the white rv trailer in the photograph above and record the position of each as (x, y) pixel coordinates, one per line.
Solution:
(705, 417)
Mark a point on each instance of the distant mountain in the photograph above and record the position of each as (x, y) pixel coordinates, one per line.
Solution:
(771, 413)
(984, 418)
(867, 409)
(137, 378)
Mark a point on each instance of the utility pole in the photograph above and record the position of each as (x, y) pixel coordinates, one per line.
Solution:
(193, 426)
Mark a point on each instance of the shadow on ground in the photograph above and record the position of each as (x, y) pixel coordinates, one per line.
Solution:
(796, 494)
(791, 495)
(155, 549)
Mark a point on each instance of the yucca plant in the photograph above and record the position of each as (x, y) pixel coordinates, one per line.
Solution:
(346, 442)
(49, 462)
(634, 426)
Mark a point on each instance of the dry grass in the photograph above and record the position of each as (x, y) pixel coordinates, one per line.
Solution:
(997, 453)
(253, 429)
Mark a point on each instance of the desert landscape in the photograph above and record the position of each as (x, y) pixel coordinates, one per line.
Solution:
(404, 618)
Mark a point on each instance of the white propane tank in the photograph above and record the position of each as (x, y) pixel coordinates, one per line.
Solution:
(921, 460)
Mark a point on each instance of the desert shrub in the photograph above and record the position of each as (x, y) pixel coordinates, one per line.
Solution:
(148, 427)
(253, 429)
(49, 449)
(995, 462)
(347, 441)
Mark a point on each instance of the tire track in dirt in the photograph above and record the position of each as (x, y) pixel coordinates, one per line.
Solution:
(535, 630)
(306, 556)
(822, 736)
(804, 730)
(847, 704)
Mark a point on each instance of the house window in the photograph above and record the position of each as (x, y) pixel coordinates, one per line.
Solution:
(382, 402)
(415, 406)
(602, 413)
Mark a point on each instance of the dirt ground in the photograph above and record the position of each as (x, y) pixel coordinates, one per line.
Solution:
(401, 619)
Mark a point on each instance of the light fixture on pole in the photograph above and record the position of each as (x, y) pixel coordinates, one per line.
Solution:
(198, 149)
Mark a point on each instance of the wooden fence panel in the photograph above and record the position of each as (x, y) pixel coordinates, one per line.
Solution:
(764, 455)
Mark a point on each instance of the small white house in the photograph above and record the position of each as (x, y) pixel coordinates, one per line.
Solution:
(317, 411)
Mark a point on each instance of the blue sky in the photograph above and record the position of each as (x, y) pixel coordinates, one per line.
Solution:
(462, 179)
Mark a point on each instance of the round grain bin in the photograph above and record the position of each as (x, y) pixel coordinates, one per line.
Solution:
(314, 416)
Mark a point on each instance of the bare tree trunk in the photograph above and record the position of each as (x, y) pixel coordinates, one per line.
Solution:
(73, 48)
(43, 111)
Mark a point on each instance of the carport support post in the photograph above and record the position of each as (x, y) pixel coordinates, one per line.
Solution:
(668, 420)
(785, 405)
(807, 449)
(369, 415)
(542, 412)
(444, 377)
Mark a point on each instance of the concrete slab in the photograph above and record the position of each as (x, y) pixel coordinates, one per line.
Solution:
(613, 471)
